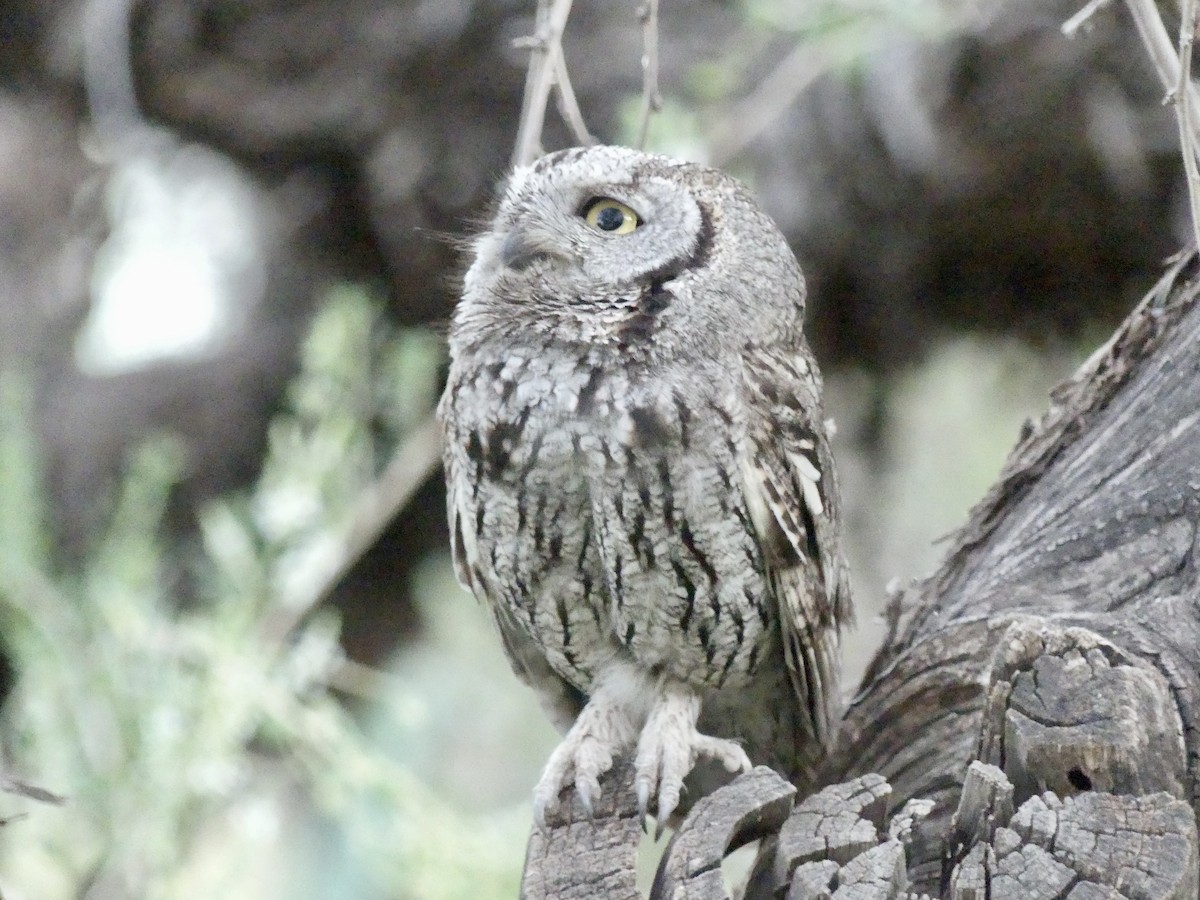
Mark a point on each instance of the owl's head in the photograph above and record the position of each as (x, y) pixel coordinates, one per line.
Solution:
(648, 255)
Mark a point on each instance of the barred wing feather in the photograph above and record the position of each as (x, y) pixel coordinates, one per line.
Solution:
(792, 489)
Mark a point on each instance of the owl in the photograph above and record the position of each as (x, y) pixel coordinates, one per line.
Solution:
(640, 487)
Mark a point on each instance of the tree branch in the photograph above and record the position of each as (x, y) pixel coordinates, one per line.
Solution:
(752, 115)
(547, 69)
(414, 461)
(651, 98)
(545, 49)
(1082, 555)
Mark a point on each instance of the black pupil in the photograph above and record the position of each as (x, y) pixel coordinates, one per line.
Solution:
(610, 219)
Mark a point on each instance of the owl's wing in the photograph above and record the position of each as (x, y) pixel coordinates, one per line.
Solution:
(559, 699)
(792, 491)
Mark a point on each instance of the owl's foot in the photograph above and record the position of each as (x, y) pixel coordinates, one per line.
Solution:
(602, 731)
(668, 749)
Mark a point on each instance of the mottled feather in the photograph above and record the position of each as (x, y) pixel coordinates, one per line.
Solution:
(790, 468)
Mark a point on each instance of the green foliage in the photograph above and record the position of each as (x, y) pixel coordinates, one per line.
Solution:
(855, 23)
(191, 737)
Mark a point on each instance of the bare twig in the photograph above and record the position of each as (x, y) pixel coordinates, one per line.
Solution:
(1071, 27)
(1175, 74)
(545, 52)
(413, 463)
(651, 98)
(1156, 41)
(1185, 101)
(108, 73)
(568, 106)
(1158, 45)
(752, 115)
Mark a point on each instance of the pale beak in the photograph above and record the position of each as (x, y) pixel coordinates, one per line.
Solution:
(521, 249)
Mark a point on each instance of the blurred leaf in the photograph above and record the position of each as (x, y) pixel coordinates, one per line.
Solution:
(186, 734)
(23, 539)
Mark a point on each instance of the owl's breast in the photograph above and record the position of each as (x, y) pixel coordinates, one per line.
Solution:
(520, 496)
(605, 515)
(687, 579)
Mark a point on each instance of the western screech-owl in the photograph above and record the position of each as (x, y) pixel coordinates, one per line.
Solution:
(640, 483)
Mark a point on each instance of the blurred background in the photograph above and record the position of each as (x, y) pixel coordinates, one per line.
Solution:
(235, 661)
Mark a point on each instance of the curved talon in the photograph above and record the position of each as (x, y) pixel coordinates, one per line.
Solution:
(643, 798)
(583, 787)
(668, 800)
(539, 815)
(554, 776)
(668, 749)
(601, 731)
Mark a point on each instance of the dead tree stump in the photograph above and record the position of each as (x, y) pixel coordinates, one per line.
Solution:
(1029, 728)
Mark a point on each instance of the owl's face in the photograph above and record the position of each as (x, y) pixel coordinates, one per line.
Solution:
(607, 246)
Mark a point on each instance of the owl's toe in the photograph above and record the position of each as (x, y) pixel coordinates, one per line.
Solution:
(669, 747)
(599, 734)
(728, 753)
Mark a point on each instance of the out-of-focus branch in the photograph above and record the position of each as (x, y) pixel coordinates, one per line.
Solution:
(1072, 26)
(1175, 74)
(651, 98)
(108, 72)
(1156, 41)
(1185, 111)
(752, 115)
(413, 463)
(568, 106)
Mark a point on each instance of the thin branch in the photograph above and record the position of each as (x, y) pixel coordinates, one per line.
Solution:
(1185, 101)
(1071, 27)
(410, 467)
(751, 116)
(1175, 74)
(415, 460)
(1156, 41)
(1158, 45)
(568, 106)
(651, 98)
(108, 74)
(545, 51)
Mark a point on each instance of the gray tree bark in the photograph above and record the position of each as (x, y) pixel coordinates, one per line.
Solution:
(1029, 728)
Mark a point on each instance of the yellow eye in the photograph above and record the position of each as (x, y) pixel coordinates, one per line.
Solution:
(611, 216)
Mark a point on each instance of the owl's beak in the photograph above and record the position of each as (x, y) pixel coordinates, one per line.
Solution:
(521, 249)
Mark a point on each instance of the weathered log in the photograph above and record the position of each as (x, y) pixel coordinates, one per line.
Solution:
(753, 806)
(1032, 715)
(1060, 640)
(582, 855)
(1091, 845)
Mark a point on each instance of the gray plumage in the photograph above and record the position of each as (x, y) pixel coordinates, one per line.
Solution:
(640, 485)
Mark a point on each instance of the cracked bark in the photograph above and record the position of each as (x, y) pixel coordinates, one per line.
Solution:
(1029, 728)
